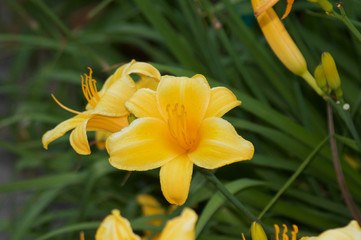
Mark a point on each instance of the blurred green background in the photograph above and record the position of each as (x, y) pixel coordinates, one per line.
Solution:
(46, 45)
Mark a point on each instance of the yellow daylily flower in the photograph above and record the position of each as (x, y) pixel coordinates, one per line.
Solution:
(105, 110)
(282, 44)
(115, 227)
(267, 4)
(351, 232)
(178, 125)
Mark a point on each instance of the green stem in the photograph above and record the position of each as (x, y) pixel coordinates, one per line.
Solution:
(219, 185)
(338, 169)
(293, 177)
(312, 82)
(343, 17)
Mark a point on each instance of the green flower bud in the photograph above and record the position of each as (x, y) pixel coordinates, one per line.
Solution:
(324, 4)
(330, 70)
(320, 78)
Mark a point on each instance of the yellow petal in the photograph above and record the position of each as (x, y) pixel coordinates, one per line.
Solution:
(109, 124)
(150, 205)
(263, 6)
(143, 104)
(62, 128)
(220, 145)
(79, 139)
(115, 227)
(191, 93)
(144, 70)
(175, 179)
(180, 228)
(351, 232)
(112, 103)
(145, 144)
(114, 77)
(222, 100)
(147, 82)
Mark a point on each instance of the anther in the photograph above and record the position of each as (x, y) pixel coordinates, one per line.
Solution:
(277, 229)
(284, 234)
(243, 238)
(294, 232)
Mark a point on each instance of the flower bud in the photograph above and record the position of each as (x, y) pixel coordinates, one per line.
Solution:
(320, 78)
(257, 232)
(324, 4)
(330, 70)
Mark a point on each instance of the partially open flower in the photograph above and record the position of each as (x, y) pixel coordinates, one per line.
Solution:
(105, 110)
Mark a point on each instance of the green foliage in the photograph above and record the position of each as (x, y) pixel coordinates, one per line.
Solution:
(46, 45)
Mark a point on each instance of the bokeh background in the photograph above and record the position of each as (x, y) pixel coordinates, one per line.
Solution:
(46, 45)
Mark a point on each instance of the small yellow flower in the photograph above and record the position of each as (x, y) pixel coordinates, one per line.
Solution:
(178, 125)
(115, 227)
(105, 110)
(267, 4)
(351, 232)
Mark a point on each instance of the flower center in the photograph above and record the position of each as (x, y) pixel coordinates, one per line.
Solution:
(178, 126)
(284, 234)
(89, 88)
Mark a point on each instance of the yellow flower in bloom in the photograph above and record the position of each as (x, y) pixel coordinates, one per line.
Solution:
(351, 232)
(267, 4)
(115, 227)
(283, 45)
(178, 125)
(105, 110)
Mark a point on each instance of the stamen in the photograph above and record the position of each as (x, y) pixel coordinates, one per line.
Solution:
(243, 238)
(277, 231)
(62, 106)
(284, 234)
(90, 89)
(294, 232)
(82, 237)
(177, 124)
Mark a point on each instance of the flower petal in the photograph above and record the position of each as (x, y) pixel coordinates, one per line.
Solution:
(115, 227)
(220, 145)
(180, 228)
(222, 100)
(147, 82)
(144, 104)
(62, 128)
(175, 179)
(109, 124)
(79, 139)
(144, 70)
(192, 93)
(145, 144)
(113, 101)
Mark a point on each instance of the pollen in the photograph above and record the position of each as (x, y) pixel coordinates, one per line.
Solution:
(177, 123)
(285, 230)
(89, 88)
